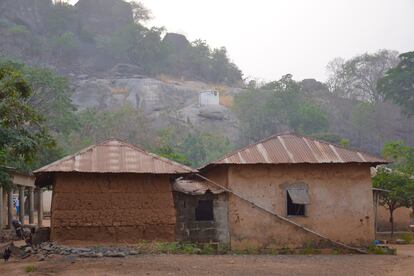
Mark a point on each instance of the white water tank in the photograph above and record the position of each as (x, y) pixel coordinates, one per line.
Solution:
(209, 97)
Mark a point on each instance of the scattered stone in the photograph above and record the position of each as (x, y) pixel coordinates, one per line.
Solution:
(115, 254)
(400, 241)
(41, 258)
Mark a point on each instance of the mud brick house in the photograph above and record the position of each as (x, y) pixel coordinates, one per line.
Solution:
(321, 186)
(112, 192)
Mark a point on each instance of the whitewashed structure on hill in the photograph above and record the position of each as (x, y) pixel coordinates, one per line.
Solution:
(209, 97)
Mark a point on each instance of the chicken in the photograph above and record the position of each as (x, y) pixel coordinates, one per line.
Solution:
(6, 254)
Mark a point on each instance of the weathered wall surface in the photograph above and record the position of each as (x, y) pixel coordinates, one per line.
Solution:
(188, 229)
(217, 174)
(341, 205)
(112, 208)
(402, 219)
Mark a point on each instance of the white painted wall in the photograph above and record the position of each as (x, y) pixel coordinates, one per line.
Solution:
(209, 97)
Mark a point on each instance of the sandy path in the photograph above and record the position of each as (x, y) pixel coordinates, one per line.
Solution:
(403, 264)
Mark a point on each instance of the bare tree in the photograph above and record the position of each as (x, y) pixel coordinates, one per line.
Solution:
(357, 78)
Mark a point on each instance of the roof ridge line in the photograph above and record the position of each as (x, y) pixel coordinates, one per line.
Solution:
(246, 147)
(123, 143)
(279, 135)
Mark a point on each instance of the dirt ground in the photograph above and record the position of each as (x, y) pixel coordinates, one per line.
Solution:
(402, 264)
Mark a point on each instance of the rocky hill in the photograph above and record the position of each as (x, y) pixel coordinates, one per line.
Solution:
(89, 44)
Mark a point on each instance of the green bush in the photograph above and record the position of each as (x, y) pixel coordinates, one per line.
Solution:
(30, 268)
(381, 250)
(407, 237)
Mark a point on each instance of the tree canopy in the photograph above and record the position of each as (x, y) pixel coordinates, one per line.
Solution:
(264, 110)
(357, 77)
(397, 179)
(398, 83)
(22, 132)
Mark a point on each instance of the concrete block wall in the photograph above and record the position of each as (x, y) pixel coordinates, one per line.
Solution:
(188, 229)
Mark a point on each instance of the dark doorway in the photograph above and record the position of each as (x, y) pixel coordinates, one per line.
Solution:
(204, 210)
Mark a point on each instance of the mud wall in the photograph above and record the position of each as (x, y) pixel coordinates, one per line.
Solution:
(189, 229)
(402, 219)
(341, 205)
(112, 208)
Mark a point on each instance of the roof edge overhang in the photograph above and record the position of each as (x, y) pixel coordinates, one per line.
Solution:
(371, 164)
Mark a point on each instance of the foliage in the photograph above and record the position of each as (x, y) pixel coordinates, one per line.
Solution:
(167, 149)
(65, 46)
(398, 83)
(357, 78)
(400, 191)
(262, 111)
(30, 269)
(50, 96)
(363, 117)
(60, 18)
(22, 132)
(407, 237)
(67, 41)
(140, 12)
(183, 248)
(193, 149)
(96, 125)
(18, 30)
(311, 119)
(332, 138)
(401, 155)
(381, 250)
(397, 179)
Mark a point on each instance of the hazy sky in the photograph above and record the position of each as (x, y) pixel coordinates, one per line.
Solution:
(269, 38)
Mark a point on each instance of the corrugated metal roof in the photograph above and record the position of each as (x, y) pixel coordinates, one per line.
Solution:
(296, 149)
(114, 156)
(194, 187)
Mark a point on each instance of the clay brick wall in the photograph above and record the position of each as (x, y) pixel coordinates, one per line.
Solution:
(402, 219)
(112, 207)
(341, 205)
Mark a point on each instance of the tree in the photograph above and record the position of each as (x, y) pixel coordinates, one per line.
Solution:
(193, 149)
(278, 106)
(50, 96)
(312, 119)
(65, 46)
(397, 179)
(140, 12)
(357, 78)
(22, 133)
(400, 191)
(61, 18)
(401, 155)
(167, 147)
(96, 125)
(398, 83)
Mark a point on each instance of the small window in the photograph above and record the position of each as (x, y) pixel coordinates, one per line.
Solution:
(204, 210)
(294, 209)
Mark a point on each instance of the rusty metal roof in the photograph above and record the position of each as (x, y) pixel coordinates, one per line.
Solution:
(114, 156)
(296, 149)
(194, 187)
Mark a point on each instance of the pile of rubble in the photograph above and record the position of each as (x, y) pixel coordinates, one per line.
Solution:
(50, 248)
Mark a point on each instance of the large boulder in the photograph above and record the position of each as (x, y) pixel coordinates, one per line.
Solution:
(148, 95)
(29, 13)
(103, 17)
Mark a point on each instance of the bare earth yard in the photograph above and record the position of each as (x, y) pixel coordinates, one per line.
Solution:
(402, 264)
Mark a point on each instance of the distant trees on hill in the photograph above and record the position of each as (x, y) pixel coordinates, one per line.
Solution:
(92, 35)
